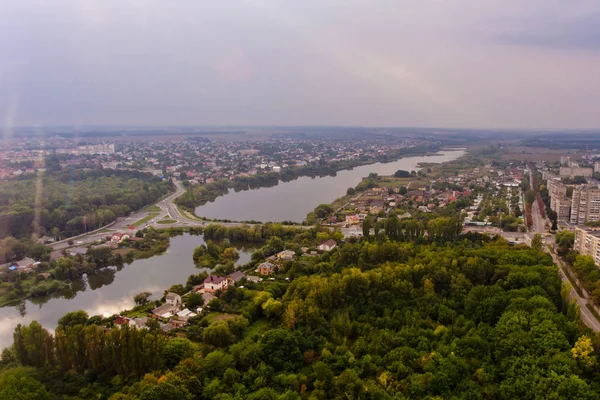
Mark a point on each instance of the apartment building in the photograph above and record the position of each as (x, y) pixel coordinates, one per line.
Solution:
(575, 171)
(585, 205)
(587, 242)
(558, 200)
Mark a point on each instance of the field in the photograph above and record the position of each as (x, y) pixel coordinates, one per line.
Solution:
(535, 154)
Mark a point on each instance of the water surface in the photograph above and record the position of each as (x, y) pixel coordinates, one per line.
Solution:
(292, 201)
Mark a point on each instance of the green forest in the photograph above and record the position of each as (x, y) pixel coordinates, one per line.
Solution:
(462, 317)
(69, 202)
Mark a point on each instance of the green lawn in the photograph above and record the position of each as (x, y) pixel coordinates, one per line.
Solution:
(152, 208)
(145, 219)
(166, 221)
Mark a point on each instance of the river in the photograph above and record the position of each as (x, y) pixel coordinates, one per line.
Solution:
(293, 200)
(110, 292)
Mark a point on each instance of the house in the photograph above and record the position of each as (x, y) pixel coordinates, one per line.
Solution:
(186, 313)
(375, 210)
(214, 283)
(166, 328)
(328, 245)
(352, 219)
(266, 268)
(139, 323)
(119, 237)
(254, 279)
(173, 299)
(165, 311)
(207, 297)
(235, 277)
(120, 320)
(286, 255)
(180, 322)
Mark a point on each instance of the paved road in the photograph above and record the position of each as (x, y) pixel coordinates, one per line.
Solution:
(586, 315)
(168, 210)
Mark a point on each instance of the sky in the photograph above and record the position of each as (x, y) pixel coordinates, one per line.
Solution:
(531, 64)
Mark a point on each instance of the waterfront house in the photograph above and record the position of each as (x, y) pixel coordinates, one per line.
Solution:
(328, 245)
(286, 255)
(266, 268)
(214, 283)
(235, 277)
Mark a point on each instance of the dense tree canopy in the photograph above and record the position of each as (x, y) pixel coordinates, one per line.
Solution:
(457, 317)
(74, 201)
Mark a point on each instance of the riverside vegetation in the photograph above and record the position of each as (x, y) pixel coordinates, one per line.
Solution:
(460, 316)
(65, 274)
(198, 195)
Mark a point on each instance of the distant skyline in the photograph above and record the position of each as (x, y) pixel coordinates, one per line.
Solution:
(377, 63)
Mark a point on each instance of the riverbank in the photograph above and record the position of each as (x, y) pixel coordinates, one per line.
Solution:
(401, 192)
(45, 279)
(199, 195)
(291, 201)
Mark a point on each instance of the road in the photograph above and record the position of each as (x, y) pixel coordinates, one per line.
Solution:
(539, 226)
(586, 315)
(168, 211)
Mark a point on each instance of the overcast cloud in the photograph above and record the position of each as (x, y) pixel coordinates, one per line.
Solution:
(444, 63)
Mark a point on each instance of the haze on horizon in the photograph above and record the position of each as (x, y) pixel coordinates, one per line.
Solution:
(460, 63)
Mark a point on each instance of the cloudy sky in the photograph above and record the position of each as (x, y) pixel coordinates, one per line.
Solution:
(435, 63)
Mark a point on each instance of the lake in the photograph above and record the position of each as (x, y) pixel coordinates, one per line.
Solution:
(292, 201)
(110, 292)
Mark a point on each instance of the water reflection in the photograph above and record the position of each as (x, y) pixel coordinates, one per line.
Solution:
(294, 199)
(111, 290)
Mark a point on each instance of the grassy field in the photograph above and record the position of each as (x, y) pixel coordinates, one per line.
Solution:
(152, 208)
(166, 221)
(145, 219)
(521, 153)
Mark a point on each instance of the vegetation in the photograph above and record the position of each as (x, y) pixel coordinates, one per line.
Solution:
(73, 201)
(145, 219)
(460, 316)
(49, 277)
(201, 194)
(166, 221)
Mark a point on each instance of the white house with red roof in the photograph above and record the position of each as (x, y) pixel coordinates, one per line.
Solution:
(214, 283)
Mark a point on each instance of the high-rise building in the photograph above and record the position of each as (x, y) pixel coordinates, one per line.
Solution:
(587, 242)
(558, 200)
(597, 166)
(564, 160)
(585, 205)
(576, 171)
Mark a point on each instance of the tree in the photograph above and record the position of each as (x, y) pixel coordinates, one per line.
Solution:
(402, 174)
(218, 334)
(18, 384)
(272, 308)
(73, 318)
(536, 242)
(164, 391)
(350, 192)
(194, 300)
(141, 299)
(176, 350)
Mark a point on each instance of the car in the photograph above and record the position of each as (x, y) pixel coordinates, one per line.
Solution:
(79, 242)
